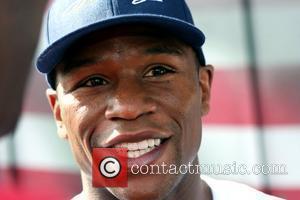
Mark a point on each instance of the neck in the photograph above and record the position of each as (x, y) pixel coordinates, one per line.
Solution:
(191, 187)
(89, 192)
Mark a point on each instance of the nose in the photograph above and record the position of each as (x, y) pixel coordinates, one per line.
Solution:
(129, 102)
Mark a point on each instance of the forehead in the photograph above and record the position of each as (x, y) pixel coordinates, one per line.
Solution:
(122, 39)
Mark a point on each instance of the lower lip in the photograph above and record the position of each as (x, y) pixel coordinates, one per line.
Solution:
(149, 157)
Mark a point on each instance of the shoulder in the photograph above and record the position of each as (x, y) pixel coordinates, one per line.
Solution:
(230, 190)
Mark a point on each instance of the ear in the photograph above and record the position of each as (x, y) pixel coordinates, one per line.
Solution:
(55, 106)
(205, 81)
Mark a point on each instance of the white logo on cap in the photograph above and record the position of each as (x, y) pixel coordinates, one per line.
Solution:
(135, 2)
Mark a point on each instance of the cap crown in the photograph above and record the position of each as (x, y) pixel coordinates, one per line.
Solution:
(65, 16)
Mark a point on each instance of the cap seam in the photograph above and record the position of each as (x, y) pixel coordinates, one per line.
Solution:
(117, 11)
(112, 7)
(183, 4)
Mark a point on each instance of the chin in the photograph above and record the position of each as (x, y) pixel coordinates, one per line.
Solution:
(146, 188)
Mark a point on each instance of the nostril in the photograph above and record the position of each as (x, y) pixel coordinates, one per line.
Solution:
(129, 111)
(122, 113)
(129, 107)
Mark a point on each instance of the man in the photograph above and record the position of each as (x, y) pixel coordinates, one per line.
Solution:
(132, 74)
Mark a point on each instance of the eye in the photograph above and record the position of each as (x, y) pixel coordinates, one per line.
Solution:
(159, 70)
(94, 82)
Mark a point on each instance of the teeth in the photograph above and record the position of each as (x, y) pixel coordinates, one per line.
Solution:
(138, 153)
(150, 142)
(131, 154)
(122, 145)
(143, 151)
(136, 149)
(149, 149)
(143, 144)
(157, 142)
(133, 146)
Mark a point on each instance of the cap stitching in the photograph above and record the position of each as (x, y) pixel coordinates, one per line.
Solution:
(116, 7)
(112, 7)
(183, 4)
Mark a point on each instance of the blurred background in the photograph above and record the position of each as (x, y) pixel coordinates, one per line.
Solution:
(255, 112)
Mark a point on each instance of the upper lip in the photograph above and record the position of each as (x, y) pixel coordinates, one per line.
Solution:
(136, 136)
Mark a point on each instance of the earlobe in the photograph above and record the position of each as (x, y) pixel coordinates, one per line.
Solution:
(205, 81)
(55, 107)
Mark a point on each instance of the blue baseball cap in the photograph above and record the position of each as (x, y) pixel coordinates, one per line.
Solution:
(66, 21)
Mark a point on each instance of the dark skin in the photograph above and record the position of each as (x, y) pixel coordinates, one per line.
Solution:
(129, 82)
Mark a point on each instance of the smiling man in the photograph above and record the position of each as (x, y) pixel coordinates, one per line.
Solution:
(132, 74)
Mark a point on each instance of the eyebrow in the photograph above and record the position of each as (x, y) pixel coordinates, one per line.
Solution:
(164, 49)
(72, 64)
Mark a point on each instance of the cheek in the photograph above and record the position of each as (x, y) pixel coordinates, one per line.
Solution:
(191, 127)
(80, 115)
(78, 119)
(183, 105)
(74, 115)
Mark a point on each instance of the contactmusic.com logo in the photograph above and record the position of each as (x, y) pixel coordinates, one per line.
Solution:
(109, 167)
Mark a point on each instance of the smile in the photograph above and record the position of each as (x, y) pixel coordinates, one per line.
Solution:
(137, 149)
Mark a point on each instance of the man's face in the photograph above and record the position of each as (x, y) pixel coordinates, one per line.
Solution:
(130, 88)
